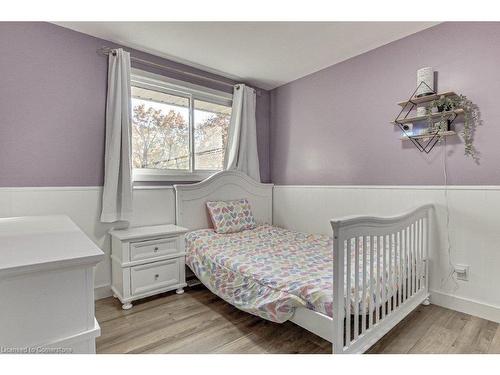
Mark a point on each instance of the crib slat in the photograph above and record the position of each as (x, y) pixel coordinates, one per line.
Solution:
(363, 301)
(403, 265)
(380, 276)
(356, 289)
(413, 259)
(409, 262)
(407, 273)
(400, 267)
(388, 274)
(415, 272)
(417, 258)
(425, 252)
(384, 277)
(422, 227)
(417, 242)
(390, 279)
(394, 272)
(348, 292)
(377, 280)
(410, 258)
(370, 282)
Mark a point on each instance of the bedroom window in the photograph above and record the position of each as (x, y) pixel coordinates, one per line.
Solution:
(179, 130)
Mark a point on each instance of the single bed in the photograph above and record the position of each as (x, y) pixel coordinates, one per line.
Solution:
(266, 271)
(283, 275)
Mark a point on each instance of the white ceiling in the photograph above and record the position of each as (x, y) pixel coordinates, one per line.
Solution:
(265, 54)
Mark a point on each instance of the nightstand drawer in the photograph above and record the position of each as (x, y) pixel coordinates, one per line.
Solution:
(153, 248)
(154, 276)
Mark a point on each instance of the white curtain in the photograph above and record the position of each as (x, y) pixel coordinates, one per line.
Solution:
(117, 193)
(241, 152)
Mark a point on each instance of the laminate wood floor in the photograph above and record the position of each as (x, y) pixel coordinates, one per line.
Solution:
(436, 330)
(200, 322)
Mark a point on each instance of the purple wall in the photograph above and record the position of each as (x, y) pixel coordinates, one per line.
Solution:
(52, 106)
(332, 127)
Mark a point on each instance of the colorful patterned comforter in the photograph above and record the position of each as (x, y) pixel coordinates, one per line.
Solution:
(267, 271)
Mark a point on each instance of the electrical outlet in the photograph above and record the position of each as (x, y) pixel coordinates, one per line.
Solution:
(462, 272)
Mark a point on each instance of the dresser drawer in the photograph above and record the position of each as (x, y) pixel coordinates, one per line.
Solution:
(154, 248)
(154, 276)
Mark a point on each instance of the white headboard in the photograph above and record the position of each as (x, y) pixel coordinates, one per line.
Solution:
(191, 211)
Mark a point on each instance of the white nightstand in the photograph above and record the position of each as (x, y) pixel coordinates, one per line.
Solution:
(147, 261)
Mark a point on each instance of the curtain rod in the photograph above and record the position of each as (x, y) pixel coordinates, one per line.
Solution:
(105, 51)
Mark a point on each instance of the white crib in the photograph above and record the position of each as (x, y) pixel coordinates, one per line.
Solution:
(401, 244)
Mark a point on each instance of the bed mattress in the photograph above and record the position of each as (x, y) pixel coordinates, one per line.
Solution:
(267, 271)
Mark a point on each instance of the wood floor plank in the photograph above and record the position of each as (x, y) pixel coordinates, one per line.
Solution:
(195, 319)
(439, 336)
(200, 322)
(219, 333)
(110, 308)
(437, 339)
(147, 322)
(495, 343)
(389, 338)
(170, 309)
(475, 337)
(407, 333)
(268, 337)
(485, 339)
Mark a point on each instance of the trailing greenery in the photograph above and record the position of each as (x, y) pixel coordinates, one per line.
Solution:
(471, 119)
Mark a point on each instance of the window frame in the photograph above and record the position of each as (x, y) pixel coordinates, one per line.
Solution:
(156, 82)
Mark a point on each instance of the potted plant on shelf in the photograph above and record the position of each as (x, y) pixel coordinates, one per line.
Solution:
(446, 104)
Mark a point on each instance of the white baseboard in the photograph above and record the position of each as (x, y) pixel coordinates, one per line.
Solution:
(102, 291)
(467, 306)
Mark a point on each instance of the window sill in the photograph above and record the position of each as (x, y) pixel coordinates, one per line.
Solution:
(148, 176)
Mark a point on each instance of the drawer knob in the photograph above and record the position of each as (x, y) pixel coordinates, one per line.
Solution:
(156, 249)
(157, 276)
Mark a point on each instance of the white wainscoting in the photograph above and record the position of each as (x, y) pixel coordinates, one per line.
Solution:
(474, 223)
(151, 206)
(474, 231)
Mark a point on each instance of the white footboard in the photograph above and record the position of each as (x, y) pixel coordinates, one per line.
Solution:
(370, 297)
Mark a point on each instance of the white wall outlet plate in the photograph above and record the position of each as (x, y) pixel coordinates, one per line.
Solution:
(462, 272)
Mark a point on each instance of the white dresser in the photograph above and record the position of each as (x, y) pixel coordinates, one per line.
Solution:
(147, 261)
(46, 286)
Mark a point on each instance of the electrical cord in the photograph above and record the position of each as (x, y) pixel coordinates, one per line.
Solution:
(445, 171)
